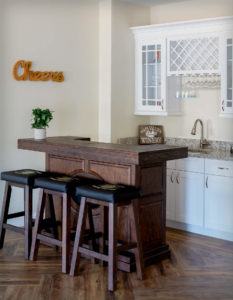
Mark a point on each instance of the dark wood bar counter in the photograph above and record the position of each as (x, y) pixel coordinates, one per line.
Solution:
(143, 166)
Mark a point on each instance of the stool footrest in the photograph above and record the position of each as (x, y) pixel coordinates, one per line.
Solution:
(87, 234)
(126, 247)
(14, 228)
(49, 223)
(16, 215)
(49, 240)
(93, 254)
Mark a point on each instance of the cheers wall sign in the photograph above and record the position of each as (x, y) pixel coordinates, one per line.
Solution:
(21, 71)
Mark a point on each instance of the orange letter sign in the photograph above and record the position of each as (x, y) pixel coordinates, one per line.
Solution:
(34, 76)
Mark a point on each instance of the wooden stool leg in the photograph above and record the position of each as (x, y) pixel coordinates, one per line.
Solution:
(37, 227)
(66, 232)
(136, 228)
(104, 230)
(27, 221)
(5, 209)
(79, 236)
(92, 234)
(53, 218)
(112, 247)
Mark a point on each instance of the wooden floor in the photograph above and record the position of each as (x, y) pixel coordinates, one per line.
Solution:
(200, 268)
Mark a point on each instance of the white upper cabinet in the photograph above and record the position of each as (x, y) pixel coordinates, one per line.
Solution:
(166, 52)
(227, 76)
(195, 54)
(151, 77)
(155, 94)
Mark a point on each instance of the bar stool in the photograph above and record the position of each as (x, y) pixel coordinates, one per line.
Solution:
(23, 179)
(111, 196)
(63, 187)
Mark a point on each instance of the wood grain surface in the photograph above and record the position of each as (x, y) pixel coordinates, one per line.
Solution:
(136, 165)
(199, 268)
(108, 152)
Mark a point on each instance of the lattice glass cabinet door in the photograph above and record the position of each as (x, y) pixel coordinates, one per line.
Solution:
(227, 77)
(150, 96)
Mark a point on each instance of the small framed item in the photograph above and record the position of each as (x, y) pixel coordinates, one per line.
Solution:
(151, 134)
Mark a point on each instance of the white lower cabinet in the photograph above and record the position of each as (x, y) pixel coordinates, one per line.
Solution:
(184, 200)
(201, 202)
(189, 198)
(219, 203)
(171, 196)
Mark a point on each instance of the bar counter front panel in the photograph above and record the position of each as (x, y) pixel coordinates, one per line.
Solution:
(140, 166)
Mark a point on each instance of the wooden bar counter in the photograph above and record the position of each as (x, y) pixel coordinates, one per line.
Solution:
(142, 166)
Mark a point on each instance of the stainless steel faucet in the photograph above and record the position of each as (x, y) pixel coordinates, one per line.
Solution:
(203, 142)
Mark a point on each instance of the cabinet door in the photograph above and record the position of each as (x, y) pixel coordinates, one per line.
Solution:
(190, 198)
(227, 75)
(150, 77)
(171, 196)
(219, 203)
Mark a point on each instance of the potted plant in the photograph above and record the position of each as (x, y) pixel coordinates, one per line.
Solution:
(41, 118)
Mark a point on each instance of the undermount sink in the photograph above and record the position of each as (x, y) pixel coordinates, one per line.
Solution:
(201, 151)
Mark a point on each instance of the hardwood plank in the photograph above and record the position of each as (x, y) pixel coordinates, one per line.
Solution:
(199, 268)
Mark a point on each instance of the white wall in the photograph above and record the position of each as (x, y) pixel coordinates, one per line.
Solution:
(124, 15)
(207, 105)
(1, 101)
(54, 35)
(105, 70)
(183, 10)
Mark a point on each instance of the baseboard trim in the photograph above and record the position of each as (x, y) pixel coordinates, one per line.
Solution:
(200, 230)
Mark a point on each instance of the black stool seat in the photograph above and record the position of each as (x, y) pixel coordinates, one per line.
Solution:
(113, 193)
(24, 176)
(61, 183)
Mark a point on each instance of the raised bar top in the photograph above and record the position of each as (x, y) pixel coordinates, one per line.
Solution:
(72, 146)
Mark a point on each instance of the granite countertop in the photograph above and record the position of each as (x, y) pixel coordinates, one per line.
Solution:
(215, 150)
(211, 154)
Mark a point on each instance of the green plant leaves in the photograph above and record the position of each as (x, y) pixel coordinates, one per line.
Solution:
(41, 117)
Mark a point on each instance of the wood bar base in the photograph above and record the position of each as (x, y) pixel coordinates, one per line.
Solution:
(136, 165)
(126, 261)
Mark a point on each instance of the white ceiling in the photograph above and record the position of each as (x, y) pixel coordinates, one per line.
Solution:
(153, 2)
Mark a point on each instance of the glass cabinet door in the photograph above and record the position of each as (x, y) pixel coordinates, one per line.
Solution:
(227, 99)
(151, 93)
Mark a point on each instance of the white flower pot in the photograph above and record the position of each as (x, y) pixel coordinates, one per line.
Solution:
(39, 133)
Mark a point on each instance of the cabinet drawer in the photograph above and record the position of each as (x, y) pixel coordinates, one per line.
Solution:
(111, 173)
(65, 165)
(192, 164)
(219, 167)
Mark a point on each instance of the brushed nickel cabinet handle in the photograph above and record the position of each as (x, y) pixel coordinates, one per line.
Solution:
(206, 182)
(177, 179)
(221, 168)
(171, 177)
(222, 105)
